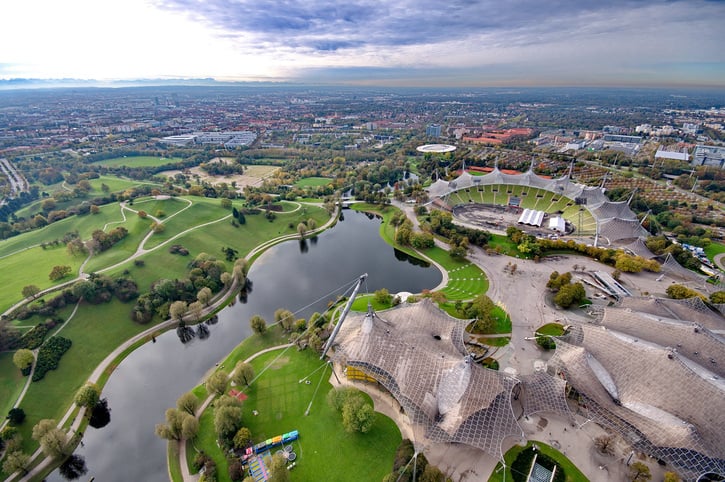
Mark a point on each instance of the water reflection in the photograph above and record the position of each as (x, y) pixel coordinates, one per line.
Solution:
(151, 379)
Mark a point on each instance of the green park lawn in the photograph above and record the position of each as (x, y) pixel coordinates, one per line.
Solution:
(313, 182)
(573, 474)
(506, 246)
(713, 249)
(551, 329)
(387, 230)
(325, 451)
(138, 161)
(95, 330)
(11, 382)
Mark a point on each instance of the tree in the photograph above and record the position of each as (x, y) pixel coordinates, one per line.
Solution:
(242, 438)
(178, 309)
(671, 477)
(285, 318)
(278, 469)
(605, 444)
(59, 272)
(54, 443)
(243, 373)
(431, 473)
(177, 425)
(216, 383)
(195, 310)
(204, 296)
(226, 278)
(16, 461)
(570, 294)
(236, 471)
(639, 472)
(259, 326)
(357, 414)
(30, 291)
(16, 416)
(189, 427)
(717, 297)
(42, 427)
(188, 403)
(301, 229)
(227, 421)
(382, 296)
(679, 292)
(88, 396)
(23, 358)
(226, 203)
(73, 467)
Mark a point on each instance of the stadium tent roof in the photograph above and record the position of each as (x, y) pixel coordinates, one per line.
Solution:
(616, 222)
(531, 217)
(416, 352)
(557, 223)
(667, 401)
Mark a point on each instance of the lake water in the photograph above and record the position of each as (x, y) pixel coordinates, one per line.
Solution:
(299, 276)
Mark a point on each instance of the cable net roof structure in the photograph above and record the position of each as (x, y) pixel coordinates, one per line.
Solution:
(664, 404)
(639, 248)
(544, 393)
(616, 222)
(690, 340)
(416, 352)
(691, 309)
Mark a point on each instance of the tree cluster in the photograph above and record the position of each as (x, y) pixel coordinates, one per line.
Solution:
(205, 272)
(49, 356)
(358, 415)
(100, 288)
(567, 293)
(407, 470)
(102, 241)
(441, 223)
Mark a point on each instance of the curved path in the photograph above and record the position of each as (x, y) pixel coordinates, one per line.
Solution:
(719, 260)
(219, 299)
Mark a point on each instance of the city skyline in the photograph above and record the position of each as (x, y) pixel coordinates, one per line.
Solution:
(458, 44)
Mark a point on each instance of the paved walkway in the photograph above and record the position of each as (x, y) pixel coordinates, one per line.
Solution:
(219, 299)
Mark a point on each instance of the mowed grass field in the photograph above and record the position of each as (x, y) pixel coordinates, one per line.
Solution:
(324, 450)
(115, 184)
(313, 182)
(138, 161)
(465, 279)
(95, 331)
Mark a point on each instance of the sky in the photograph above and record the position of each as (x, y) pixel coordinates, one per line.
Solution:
(464, 43)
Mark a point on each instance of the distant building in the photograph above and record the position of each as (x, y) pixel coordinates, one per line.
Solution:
(180, 140)
(662, 153)
(621, 138)
(713, 156)
(433, 130)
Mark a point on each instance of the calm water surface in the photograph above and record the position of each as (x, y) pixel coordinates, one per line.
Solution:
(292, 275)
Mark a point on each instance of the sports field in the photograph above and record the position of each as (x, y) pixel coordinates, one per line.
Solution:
(138, 161)
(313, 182)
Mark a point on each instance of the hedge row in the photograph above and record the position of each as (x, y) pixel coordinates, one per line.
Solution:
(49, 355)
(34, 337)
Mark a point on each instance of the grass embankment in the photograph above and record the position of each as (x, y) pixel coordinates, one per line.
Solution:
(11, 382)
(551, 329)
(387, 230)
(573, 474)
(713, 249)
(325, 451)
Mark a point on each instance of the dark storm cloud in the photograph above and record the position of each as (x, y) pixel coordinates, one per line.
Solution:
(331, 25)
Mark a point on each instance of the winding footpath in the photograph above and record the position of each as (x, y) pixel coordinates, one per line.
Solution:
(46, 462)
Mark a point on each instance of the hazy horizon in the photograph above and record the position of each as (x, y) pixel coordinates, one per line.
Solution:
(521, 43)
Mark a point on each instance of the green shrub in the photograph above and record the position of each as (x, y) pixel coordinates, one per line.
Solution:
(33, 338)
(49, 355)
